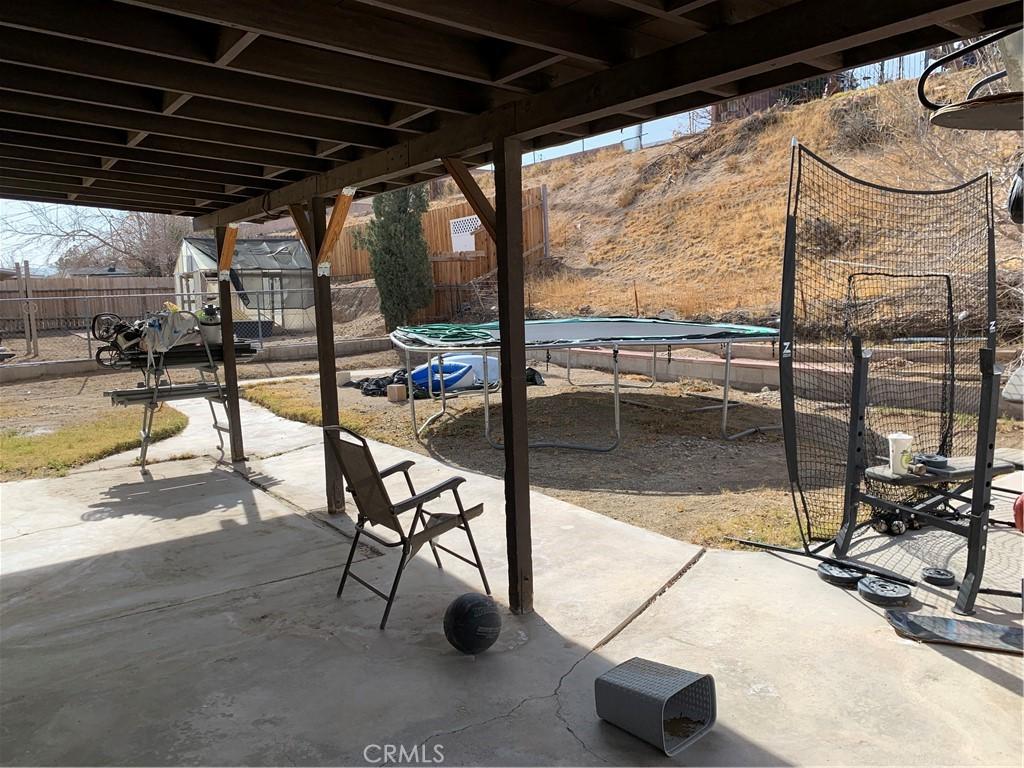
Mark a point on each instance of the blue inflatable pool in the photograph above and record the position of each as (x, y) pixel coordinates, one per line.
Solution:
(454, 374)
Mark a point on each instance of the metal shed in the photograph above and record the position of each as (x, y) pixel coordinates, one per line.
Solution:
(272, 277)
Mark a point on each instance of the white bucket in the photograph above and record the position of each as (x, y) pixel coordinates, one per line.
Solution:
(899, 453)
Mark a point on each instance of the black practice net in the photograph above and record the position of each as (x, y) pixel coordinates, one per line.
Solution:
(912, 275)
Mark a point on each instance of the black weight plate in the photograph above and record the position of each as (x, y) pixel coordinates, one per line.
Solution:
(940, 577)
(883, 592)
(841, 577)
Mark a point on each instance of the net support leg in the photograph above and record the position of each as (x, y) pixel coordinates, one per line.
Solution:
(866, 569)
(981, 493)
(855, 460)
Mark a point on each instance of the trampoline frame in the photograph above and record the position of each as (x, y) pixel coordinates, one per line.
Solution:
(484, 349)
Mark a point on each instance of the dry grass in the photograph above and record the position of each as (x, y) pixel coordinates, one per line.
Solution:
(765, 515)
(699, 223)
(292, 400)
(52, 454)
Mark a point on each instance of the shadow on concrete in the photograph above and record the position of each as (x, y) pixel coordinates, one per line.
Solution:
(176, 498)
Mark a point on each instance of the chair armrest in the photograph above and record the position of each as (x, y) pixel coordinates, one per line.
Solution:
(431, 493)
(402, 466)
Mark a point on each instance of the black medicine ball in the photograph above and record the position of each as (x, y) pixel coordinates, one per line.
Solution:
(472, 623)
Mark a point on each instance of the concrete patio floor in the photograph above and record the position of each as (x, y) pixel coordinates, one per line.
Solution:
(189, 618)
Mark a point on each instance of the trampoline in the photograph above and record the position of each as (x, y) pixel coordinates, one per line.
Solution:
(612, 333)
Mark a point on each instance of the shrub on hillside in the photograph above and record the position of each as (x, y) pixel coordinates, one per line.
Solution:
(398, 254)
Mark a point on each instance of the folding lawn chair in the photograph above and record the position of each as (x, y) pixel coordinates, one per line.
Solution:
(366, 484)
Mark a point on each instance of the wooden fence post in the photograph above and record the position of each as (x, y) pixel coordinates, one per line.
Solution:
(32, 324)
(544, 221)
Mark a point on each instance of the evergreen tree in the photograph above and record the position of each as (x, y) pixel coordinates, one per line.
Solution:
(398, 253)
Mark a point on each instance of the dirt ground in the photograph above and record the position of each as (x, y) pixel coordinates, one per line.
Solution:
(672, 472)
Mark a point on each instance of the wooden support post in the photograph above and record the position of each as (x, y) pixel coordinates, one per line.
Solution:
(226, 252)
(474, 195)
(319, 232)
(508, 178)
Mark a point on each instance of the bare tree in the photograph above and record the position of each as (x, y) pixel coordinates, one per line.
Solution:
(74, 237)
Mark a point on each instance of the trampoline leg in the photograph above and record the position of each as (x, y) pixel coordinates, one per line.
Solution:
(726, 385)
(411, 392)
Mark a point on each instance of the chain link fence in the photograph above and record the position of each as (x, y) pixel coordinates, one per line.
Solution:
(55, 328)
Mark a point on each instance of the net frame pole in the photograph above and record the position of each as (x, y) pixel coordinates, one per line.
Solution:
(856, 461)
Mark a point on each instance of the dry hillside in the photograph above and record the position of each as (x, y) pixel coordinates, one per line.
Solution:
(698, 223)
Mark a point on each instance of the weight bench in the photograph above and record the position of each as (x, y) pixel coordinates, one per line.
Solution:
(366, 484)
(943, 493)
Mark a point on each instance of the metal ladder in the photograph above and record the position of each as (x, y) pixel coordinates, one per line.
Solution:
(157, 372)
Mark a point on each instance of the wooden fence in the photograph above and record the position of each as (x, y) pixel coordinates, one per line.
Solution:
(67, 303)
(353, 263)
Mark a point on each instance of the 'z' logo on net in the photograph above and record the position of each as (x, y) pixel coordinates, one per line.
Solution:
(787, 349)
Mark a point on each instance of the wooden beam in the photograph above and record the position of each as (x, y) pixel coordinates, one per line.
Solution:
(268, 56)
(103, 93)
(13, 120)
(226, 249)
(80, 166)
(163, 125)
(339, 212)
(184, 77)
(7, 193)
(326, 362)
(225, 237)
(113, 196)
(474, 195)
(773, 41)
(104, 179)
(538, 25)
(144, 162)
(508, 186)
(966, 26)
(303, 225)
(343, 29)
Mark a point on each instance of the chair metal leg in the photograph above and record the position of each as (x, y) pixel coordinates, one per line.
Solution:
(476, 554)
(348, 562)
(394, 585)
(437, 558)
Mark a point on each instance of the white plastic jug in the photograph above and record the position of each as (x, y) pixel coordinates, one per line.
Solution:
(899, 453)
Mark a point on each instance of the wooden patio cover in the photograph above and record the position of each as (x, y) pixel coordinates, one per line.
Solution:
(235, 110)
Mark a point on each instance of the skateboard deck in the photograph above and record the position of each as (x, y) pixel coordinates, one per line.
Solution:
(969, 634)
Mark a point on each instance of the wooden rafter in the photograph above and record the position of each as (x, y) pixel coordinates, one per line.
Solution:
(233, 109)
(226, 250)
(763, 44)
(474, 195)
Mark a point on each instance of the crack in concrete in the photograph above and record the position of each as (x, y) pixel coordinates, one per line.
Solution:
(45, 530)
(556, 693)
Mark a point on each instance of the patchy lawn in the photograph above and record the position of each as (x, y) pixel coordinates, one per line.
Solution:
(299, 401)
(53, 453)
